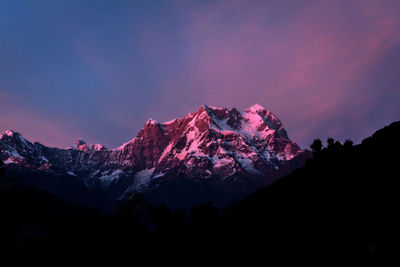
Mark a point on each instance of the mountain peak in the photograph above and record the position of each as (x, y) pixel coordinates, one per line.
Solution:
(256, 107)
(209, 107)
(213, 144)
(80, 142)
(97, 147)
(151, 122)
(81, 145)
(10, 133)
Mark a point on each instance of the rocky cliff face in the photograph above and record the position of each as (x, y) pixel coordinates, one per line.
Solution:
(190, 159)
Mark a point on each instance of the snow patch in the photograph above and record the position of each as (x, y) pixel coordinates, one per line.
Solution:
(165, 152)
(169, 122)
(14, 154)
(218, 163)
(9, 133)
(247, 164)
(143, 178)
(9, 161)
(97, 147)
(124, 145)
(256, 107)
(212, 107)
(151, 121)
(93, 174)
(107, 178)
(158, 175)
(193, 136)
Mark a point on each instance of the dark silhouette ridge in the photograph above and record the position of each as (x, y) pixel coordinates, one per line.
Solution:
(342, 204)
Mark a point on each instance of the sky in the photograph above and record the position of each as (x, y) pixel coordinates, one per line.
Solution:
(98, 70)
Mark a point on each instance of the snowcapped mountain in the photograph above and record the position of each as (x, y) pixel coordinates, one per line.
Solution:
(213, 154)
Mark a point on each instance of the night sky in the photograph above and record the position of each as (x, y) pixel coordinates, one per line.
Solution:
(99, 69)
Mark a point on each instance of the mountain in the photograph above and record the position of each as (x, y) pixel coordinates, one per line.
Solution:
(341, 205)
(214, 154)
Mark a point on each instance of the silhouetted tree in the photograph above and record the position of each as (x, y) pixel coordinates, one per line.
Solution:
(204, 214)
(331, 143)
(2, 170)
(348, 143)
(316, 146)
(338, 145)
(179, 217)
(133, 208)
(161, 217)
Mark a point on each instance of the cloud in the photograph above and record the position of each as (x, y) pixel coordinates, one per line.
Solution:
(310, 69)
(36, 126)
(326, 68)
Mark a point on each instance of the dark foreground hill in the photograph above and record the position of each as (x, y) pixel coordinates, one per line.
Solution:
(342, 204)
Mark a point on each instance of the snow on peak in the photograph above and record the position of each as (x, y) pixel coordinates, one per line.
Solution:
(256, 107)
(10, 133)
(80, 142)
(122, 147)
(18, 136)
(169, 122)
(212, 107)
(211, 141)
(253, 122)
(97, 147)
(81, 145)
(211, 110)
(151, 122)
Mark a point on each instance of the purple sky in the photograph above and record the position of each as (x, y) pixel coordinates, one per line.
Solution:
(99, 69)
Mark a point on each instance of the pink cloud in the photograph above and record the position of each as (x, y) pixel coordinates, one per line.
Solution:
(35, 126)
(307, 69)
(309, 63)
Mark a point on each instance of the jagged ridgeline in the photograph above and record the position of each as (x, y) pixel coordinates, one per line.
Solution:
(214, 154)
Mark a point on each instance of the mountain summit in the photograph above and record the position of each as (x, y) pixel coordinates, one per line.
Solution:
(207, 152)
